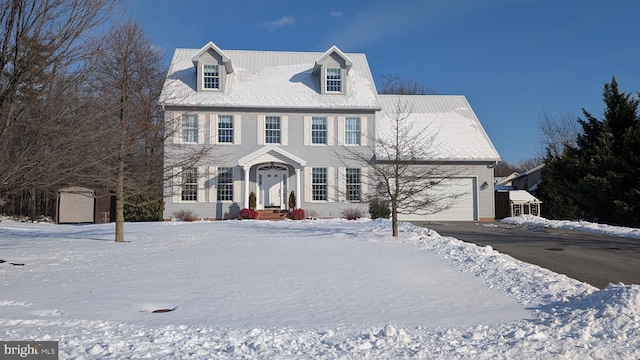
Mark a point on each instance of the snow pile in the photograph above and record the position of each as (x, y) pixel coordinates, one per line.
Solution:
(581, 225)
(308, 289)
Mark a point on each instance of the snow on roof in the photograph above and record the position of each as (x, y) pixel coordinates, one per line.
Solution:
(269, 79)
(453, 130)
(522, 196)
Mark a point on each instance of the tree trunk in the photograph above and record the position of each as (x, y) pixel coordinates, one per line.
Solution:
(394, 218)
(120, 203)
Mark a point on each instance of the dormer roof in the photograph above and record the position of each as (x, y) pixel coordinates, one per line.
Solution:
(211, 46)
(332, 49)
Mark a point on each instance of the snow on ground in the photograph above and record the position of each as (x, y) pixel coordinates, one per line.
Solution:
(580, 225)
(308, 289)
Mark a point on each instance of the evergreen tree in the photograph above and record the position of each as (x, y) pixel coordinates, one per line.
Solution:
(598, 177)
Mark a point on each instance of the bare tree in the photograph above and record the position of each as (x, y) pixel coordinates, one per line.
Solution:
(558, 132)
(129, 79)
(42, 48)
(405, 168)
(394, 84)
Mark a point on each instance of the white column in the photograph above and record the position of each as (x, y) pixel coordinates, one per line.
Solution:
(246, 187)
(298, 194)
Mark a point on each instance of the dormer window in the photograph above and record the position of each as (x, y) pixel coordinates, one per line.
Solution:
(211, 77)
(334, 80)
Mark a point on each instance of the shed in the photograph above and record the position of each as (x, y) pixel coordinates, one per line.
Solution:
(75, 205)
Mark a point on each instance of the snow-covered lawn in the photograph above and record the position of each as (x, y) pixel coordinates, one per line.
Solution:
(307, 289)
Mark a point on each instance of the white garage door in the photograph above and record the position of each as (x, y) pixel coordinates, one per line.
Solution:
(463, 208)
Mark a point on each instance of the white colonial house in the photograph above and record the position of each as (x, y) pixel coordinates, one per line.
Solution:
(284, 122)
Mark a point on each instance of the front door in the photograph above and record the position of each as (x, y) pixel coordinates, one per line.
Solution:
(272, 188)
(272, 181)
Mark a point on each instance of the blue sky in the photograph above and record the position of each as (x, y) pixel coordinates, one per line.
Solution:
(512, 59)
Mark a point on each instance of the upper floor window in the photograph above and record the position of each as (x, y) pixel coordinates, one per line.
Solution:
(352, 131)
(334, 80)
(318, 130)
(354, 179)
(190, 128)
(225, 184)
(273, 127)
(211, 77)
(319, 183)
(189, 184)
(225, 129)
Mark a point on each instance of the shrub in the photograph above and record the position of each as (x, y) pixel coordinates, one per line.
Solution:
(379, 208)
(144, 208)
(247, 213)
(185, 215)
(296, 214)
(311, 214)
(352, 213)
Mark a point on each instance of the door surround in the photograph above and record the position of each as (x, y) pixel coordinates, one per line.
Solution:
(272, 186)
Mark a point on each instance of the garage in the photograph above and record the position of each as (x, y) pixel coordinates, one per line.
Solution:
(462, 208)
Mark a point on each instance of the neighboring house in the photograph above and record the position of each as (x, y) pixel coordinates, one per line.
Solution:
(529, 180)
(280, 122)
(505, 183)
(515, 194)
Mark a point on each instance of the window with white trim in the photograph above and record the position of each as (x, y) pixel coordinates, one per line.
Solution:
(189, 128)
(210, 77)
(225, 184)
(318, 130)
(225, 129)
(333, 80)
(352, 131)
(189, 191)
(272, 130)
(354, 187)
(517, 209)
(319, 184)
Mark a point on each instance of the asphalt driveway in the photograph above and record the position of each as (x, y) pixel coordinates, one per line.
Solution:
(593, 258)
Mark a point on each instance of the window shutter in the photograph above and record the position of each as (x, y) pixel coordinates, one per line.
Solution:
(307, 130)
(330, 131)
(331, 184)
(237, 126)
(213, 190)
(342, 184)
(364, 180)
(364, 134)
(201, 128)
(213, 128)
(177, 185)
(284, 130)
(201, 181)
(177, 127)
(260, 130)
(307, 185)
(237, 185)
(341, 130)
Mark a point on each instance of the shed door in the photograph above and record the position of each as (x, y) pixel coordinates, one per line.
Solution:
(464, 208)
(75, 207)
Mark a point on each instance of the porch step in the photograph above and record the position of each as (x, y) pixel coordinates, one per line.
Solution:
(272, 214)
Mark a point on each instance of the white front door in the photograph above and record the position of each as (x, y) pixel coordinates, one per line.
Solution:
(272, 189)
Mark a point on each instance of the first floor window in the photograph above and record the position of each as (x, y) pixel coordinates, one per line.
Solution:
(319, 184)
(318, 130)
(190, 128)
(353, 184)
(534, 209)
(189, 184)
(225, 184)
(211, 77)
(352, 131)
(225, 129)
(272, 129)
